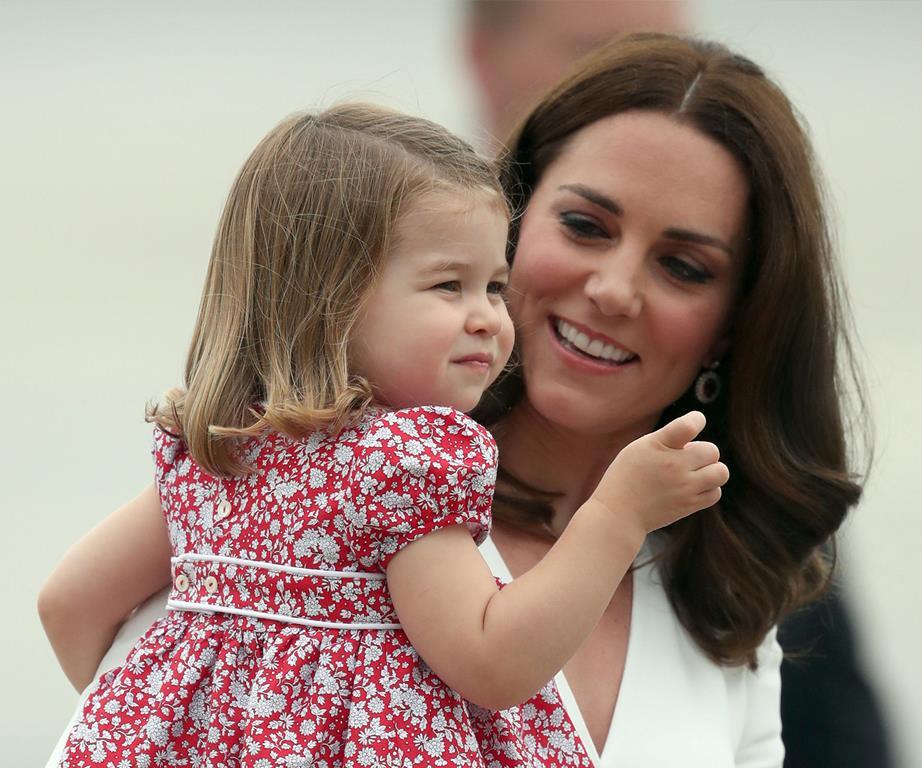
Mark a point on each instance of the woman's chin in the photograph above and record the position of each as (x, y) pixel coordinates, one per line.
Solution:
(572, 410)
(581, 413)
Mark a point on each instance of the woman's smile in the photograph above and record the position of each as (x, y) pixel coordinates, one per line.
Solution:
(586, 343)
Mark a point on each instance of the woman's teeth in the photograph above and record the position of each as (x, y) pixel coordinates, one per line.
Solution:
(594, 348)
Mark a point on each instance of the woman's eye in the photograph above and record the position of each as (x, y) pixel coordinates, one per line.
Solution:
(684, 270)
(582, 226)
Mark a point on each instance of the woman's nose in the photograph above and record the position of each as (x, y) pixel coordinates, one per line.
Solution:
(615, 286)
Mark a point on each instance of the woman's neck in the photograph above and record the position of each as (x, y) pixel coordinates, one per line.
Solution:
(550, 457)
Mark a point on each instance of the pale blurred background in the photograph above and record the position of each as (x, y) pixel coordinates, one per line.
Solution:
(123, 125)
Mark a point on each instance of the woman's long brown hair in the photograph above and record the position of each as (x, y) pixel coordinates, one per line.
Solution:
(731, 571)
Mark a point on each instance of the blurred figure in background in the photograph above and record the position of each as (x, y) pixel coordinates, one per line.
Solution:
(829, 711)
(516, 49)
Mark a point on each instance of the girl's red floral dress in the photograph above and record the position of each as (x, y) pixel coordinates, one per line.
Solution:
(282, 648)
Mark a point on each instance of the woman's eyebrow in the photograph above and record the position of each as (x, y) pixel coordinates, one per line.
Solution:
(594, 196)
(688, 236)
(673, 233)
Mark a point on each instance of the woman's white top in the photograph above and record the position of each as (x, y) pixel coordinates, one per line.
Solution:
(675, 707)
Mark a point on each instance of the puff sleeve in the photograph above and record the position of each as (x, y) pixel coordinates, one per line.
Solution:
(172, 466)
(414, 471)
(167, 451)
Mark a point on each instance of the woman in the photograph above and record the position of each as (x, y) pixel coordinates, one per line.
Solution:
(672, 253)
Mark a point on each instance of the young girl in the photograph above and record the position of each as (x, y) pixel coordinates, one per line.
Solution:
(323, 493)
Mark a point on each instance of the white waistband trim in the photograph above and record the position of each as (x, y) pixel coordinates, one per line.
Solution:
(194, 556)
(180, 605)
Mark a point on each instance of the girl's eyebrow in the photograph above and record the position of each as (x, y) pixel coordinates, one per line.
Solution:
(596, 197)
(442, 265)
(673, 233)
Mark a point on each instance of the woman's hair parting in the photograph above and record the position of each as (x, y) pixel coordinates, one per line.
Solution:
(306, 225)
(733, 570)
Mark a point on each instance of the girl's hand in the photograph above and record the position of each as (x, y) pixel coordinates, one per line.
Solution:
(664, 476)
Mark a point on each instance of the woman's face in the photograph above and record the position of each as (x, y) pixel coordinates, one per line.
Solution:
(629, 259)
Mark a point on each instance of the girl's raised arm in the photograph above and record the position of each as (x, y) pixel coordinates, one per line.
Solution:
(100, 580)
(499, 647)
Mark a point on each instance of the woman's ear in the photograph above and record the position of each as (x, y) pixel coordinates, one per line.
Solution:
(718, 350)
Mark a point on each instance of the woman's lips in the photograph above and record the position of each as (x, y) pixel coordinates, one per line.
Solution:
(582, 359)
(590, 341)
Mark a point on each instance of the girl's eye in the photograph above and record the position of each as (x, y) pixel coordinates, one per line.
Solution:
(452, 286)
(581, 226)
(496, 287)
(684, 270)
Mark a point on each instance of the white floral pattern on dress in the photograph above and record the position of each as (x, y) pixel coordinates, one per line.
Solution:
(214, 690)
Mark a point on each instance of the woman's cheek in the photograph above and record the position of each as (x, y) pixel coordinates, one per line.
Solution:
(538, 270)
(690, 330)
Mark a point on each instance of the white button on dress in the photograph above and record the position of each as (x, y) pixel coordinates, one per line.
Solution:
(223, 511)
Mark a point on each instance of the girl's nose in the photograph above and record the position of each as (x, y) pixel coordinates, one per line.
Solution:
(615, 287)
(485, 315)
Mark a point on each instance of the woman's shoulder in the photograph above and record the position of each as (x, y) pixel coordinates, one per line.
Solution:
(660, 621)
(731, 707)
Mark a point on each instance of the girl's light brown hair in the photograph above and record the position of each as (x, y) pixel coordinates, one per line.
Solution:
(732, 571)
(307, 222)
